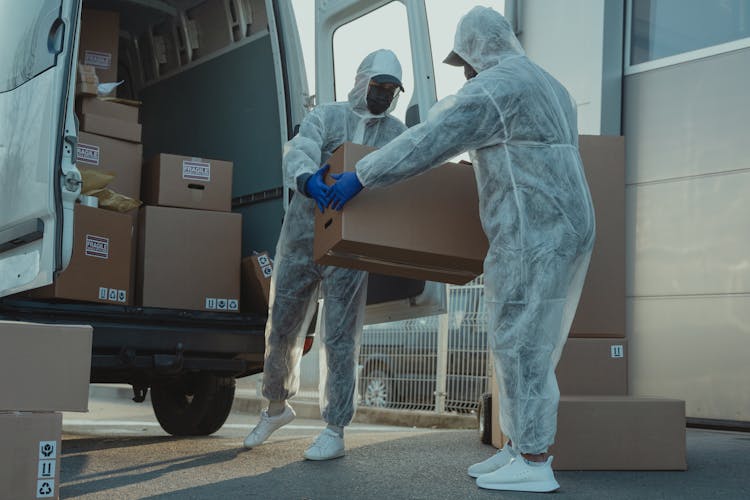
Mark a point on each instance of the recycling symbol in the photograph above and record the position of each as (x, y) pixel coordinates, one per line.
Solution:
(47, 450)
(45, 489)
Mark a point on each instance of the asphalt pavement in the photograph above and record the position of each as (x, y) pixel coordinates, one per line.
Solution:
(117, 450)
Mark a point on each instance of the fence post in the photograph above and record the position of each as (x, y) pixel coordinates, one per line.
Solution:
(441, 385)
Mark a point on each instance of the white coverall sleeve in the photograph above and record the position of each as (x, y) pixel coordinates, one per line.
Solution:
(465, 121)
(303, 152)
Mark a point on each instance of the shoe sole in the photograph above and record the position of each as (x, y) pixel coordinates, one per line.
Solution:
(477, 474)
(537, 487)
(320, 459)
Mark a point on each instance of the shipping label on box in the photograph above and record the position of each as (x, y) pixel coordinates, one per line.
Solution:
(196, 170)
(87, 153)
(96, 59)
(97, 246)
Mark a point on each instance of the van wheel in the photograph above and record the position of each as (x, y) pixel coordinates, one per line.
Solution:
(485, 418)
(193, 405)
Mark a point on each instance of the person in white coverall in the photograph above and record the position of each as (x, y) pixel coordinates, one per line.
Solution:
(519, 126)
(296, 279)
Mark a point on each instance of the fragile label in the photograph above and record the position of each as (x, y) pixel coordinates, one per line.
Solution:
(617, 351)
(45, 488)
(97, 246)
(47, 450)
(194, 170)
(87, 153)
(97, 59)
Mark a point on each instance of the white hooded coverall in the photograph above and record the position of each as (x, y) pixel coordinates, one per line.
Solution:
(519, 125)
(296, 278)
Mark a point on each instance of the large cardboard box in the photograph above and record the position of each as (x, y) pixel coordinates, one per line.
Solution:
(122, 158)
(109, 118)
(98, 43)
(593, 367)
(408, 229)
(186, 182)
(601, 310)
(44, 367)
(612, 433)
(30, 455)
(101, 264)
(256, 283)
(189, 259)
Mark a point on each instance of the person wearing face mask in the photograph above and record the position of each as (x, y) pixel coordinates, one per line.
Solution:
(519, 126)
(363, 119)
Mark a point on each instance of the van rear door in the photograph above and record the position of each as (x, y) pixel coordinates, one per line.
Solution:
(38, 180)
(345, 31)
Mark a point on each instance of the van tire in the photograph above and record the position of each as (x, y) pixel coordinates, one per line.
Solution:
(485, 418)
(193, 405)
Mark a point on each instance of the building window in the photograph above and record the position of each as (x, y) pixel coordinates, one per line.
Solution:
(663, 28)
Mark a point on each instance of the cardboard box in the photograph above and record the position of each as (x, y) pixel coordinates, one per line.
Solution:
(30, 455)
(256, 283)
(601, 310)
(406, 230)
(98, 43)
(612, 433)
(119, 157)
(44, 367)
(86, 82)
(108, 118)
(186, 182)
(593, 367)
(189, 259)
(100, 267)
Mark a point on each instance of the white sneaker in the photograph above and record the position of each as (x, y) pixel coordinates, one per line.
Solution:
(499, 459)
(268, 425)
(326, 446)
(520, 476)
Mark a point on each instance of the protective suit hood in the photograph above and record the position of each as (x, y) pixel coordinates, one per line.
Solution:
(483, 39)
(380, 62)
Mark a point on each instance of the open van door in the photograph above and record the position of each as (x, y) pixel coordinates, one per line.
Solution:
(346, 31)
(38, 180)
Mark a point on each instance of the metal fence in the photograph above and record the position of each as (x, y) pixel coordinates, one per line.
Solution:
(434, 363)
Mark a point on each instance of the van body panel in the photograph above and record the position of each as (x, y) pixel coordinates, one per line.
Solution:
(35, 213)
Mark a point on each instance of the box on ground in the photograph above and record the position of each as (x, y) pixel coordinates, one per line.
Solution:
(256, 283)
(98, 42)
(122, 158)
(593, 367)
(406, 230)
(601, 310)
(612, 433)
(189, 259)
(186, 182)
(44, 367)
(108, 118)
(30, 455)
(101, 264)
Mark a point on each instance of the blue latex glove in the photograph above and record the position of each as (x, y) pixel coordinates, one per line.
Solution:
(347, 186)
(317, 189)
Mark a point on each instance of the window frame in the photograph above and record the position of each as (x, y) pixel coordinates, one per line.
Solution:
(663, 62)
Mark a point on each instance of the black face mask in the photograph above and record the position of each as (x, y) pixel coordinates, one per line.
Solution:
(378, 99)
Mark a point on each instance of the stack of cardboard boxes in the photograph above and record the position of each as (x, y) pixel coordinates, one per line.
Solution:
(600, 427)
(183, 249)
(44, 370)
(189, 242)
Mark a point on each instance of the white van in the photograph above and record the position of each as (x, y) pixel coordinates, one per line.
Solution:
(217, 78)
